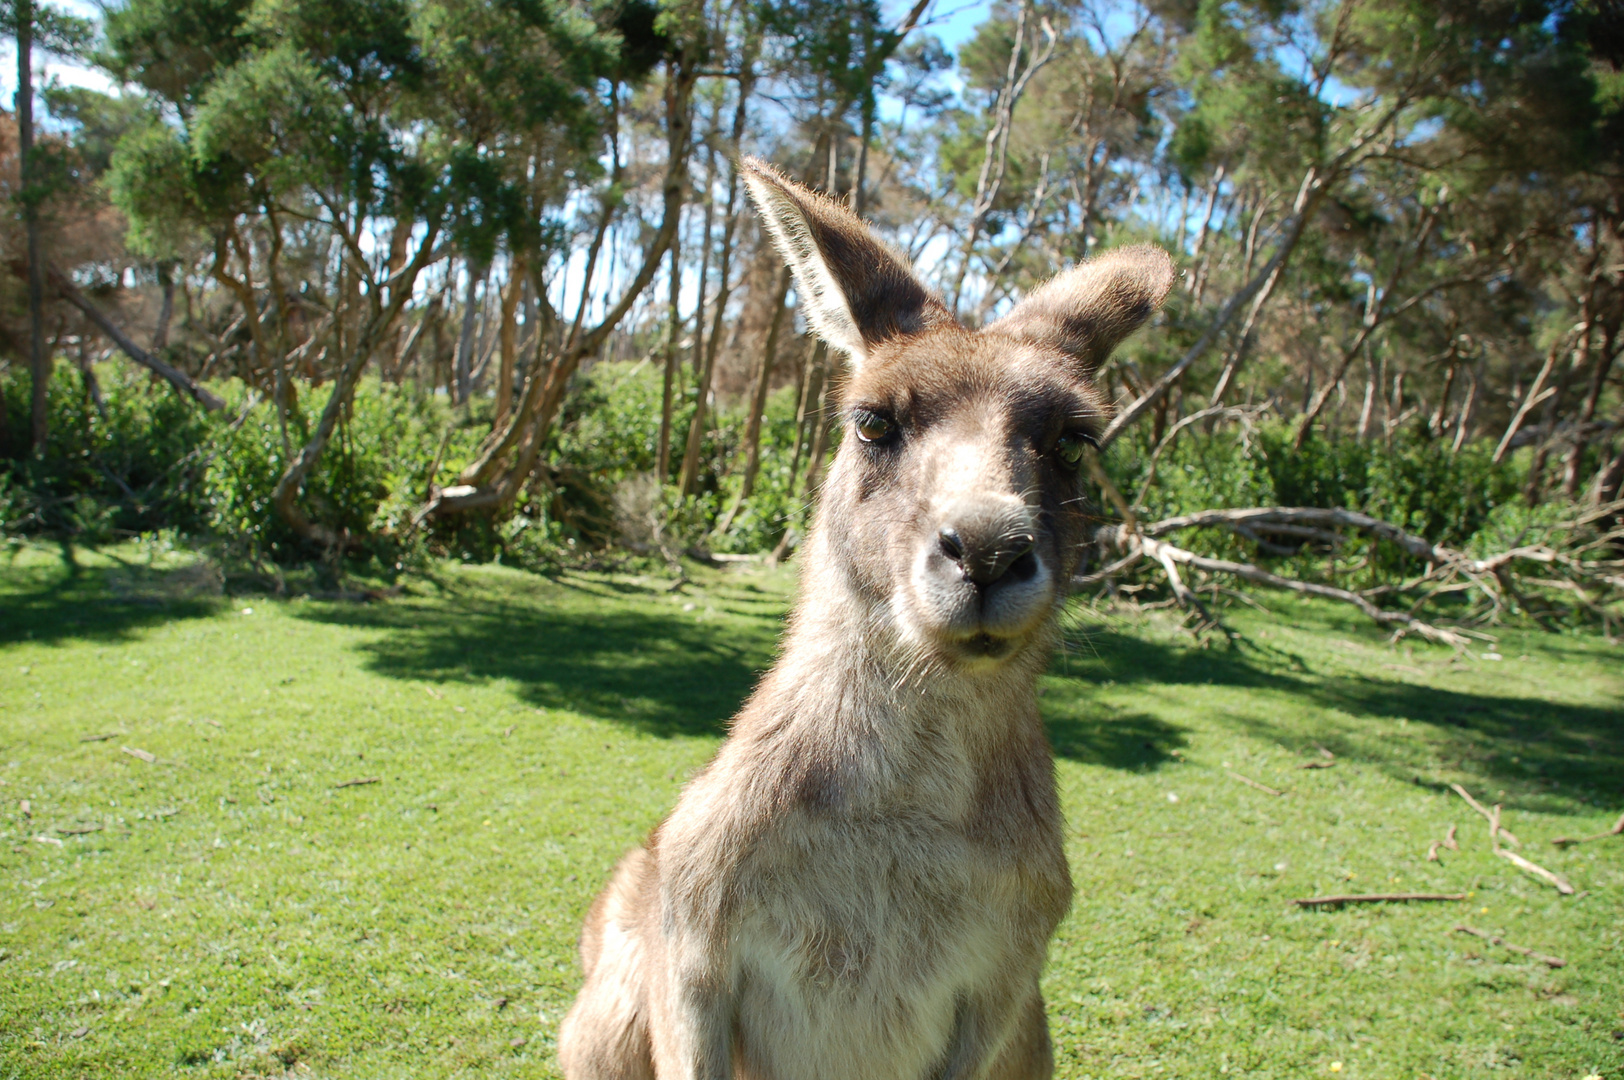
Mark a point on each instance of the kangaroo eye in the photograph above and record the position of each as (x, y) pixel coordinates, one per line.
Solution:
(871, 426)
(1070, 447)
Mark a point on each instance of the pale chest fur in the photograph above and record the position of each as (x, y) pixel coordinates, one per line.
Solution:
(890, 882)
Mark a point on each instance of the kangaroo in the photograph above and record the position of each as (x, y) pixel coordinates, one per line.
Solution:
(864, 881)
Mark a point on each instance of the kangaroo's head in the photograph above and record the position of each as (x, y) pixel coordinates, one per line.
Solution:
(953, 512)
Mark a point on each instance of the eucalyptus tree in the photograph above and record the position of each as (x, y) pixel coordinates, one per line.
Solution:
(36, 25)
(491, 483)
(369, 131)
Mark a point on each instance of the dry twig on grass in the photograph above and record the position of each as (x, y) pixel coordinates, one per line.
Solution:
(1616, 830)
(358, 783)
(1375, 898)
(99, 738)
(1317, 765)
(1249, 782)
(140, 754)
(1494, 939)
(1557, 880)
(1447, 842)
(1492, 819)
(1512, 857)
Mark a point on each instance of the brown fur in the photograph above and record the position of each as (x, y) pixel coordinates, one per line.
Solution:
(864, 881)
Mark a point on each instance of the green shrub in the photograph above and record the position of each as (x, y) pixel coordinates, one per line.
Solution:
(134, 468)
(373, 471)
(1415, 483)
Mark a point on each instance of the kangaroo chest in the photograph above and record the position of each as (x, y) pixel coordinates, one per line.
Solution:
(864, 931)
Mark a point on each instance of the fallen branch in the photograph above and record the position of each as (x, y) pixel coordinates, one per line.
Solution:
(1447, 842)
(1249, 782)
(1376, 898)
(1616, 830)
(1522, 950)
(358, 783)
(1168, 555)
(176, 378)
(1560, 882)
(1493, 819)
(1317, 765)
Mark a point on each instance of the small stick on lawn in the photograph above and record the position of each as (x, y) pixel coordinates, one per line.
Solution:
(1447, 842)
(358, 783)
(1317, 765)
(1493, 939)
(1253, 783)
(1537, 870)
(1376, 898)
(1616, 830)
(1480, 808)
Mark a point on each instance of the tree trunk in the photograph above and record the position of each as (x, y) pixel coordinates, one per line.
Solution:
(806, 407)
(995, 152)
(166, 309)
(465, 342)
(758, 406)
(698, 347)
(1587, 414)
(39, 360)
(696, 430)
(517, 276)
(178, 379)
(820, 437)
(1309, 194)
(662, 467)
(529, 428)
(285, 497)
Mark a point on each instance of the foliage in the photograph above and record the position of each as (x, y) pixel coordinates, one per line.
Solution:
(134, 466)
(381, 457)
(1408, 482)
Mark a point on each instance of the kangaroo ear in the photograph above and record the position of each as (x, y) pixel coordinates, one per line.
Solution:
(855, 290)
(1088, 310)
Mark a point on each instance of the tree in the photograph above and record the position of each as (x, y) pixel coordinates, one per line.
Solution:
(36, 25)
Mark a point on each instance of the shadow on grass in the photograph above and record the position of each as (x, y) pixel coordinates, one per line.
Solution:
(591, 647)
(1538, 751)
(1094, 734)
(661, 674)
(51, 603)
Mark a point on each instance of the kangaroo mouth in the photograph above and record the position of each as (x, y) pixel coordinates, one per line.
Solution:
(984, 646)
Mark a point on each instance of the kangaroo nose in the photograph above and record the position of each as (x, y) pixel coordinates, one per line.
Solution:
(987, 559)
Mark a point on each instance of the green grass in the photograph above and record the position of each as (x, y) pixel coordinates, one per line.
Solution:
(239, 914)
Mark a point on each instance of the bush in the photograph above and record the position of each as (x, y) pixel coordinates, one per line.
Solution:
(374, 469)
(606, 448)
(135, 468)
(1414, 483)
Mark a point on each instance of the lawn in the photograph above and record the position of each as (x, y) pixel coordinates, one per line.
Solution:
(200, 894)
